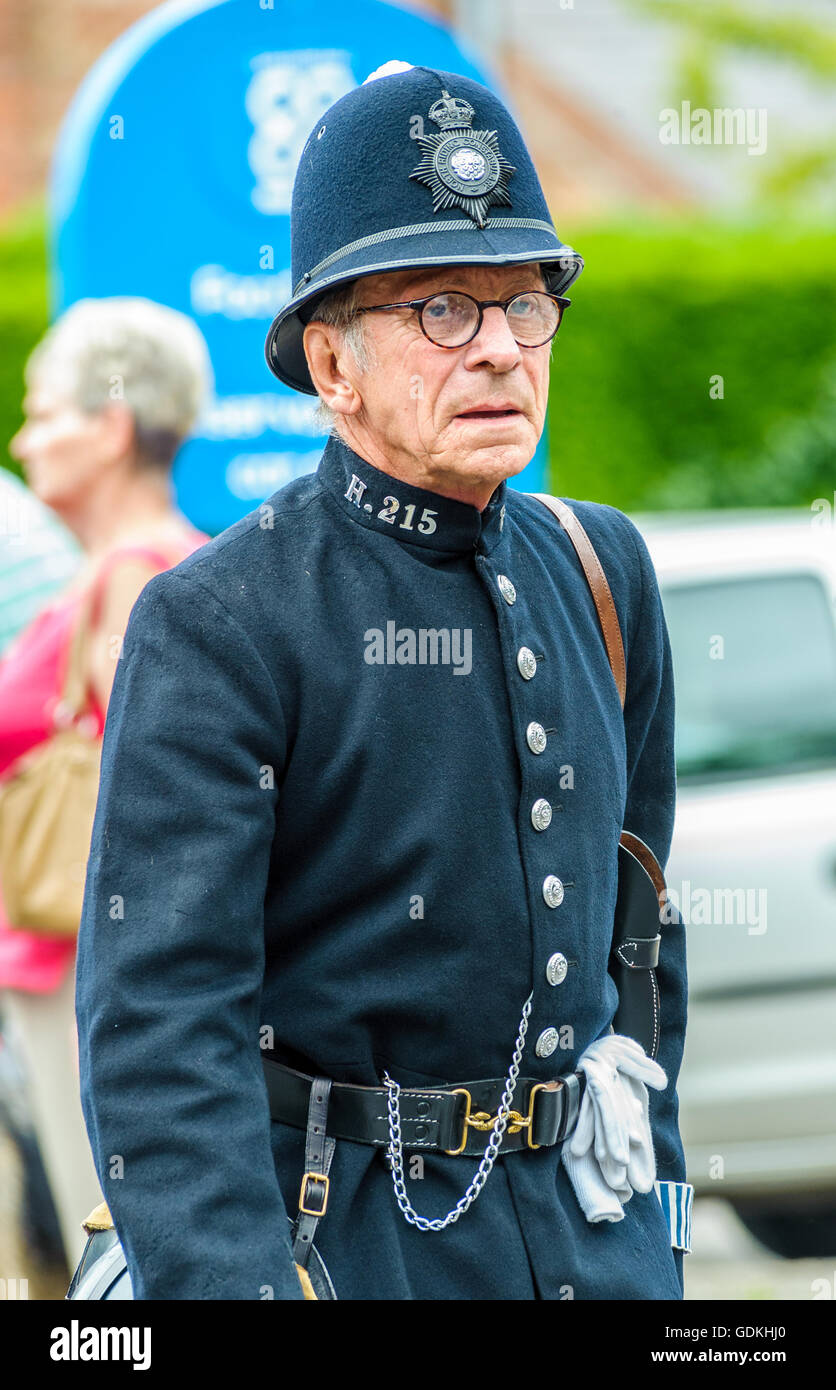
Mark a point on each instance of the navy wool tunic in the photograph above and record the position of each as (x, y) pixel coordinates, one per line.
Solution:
(314, 831)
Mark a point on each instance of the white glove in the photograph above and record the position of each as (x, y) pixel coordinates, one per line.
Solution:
(597, 1200)
(610, 1154)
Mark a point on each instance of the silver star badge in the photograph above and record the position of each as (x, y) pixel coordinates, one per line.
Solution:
(462, 167)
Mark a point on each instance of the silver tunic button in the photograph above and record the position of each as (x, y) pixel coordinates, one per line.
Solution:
(547, 1042)
(552, 891)
(506, 588)
(526, 663)
(541, 814)
(535, 737)
(557, 967)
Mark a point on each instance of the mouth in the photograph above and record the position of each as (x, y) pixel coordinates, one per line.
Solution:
(489, 414)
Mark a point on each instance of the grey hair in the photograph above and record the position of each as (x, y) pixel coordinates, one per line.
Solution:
(338, 309)
(148, 355)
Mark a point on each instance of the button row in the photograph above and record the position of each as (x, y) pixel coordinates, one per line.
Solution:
(535, 737)
(557, 965)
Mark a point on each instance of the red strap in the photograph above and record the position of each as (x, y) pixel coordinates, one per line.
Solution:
(94, 595)
(157, 558)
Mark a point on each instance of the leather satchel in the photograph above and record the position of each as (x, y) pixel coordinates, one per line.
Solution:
(47, 806)
(642, 892)
(102, 1272)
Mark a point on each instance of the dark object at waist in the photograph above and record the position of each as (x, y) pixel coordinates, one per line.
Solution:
(445, 1119)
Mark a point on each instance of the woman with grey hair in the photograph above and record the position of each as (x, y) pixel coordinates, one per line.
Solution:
(112, 391)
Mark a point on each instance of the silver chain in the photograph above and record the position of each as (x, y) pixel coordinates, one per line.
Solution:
(480, 1177)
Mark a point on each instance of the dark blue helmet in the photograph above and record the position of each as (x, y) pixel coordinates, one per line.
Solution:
(415, 168)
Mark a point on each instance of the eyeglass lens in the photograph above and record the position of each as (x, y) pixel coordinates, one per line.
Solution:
(450, 319)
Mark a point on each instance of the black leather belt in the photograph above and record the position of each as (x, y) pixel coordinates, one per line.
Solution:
(447, 1119)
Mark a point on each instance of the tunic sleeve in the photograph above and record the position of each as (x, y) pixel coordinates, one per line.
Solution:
(171, 955)
(650, 808)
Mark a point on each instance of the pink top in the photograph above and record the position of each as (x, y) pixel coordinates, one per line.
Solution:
(31, 678)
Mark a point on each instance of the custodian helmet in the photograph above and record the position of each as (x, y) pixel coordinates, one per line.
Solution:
(415, 168)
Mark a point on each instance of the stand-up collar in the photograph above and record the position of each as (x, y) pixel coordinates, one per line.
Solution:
(412, 515)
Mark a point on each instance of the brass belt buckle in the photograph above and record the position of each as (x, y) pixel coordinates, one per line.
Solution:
(481, 1120)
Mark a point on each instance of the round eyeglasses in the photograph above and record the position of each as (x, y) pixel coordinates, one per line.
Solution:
(452, 318)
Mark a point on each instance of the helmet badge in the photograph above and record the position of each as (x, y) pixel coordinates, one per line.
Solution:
(462, 167)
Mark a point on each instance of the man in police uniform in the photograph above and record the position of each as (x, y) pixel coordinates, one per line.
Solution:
(363, 780)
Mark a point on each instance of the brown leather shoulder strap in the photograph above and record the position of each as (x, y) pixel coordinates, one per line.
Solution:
(600, 589)
(649, 862)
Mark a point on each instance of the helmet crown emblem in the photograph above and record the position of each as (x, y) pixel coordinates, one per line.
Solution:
(462, 167)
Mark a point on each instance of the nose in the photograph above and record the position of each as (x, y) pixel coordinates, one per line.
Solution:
(17, 444)
(494, 342)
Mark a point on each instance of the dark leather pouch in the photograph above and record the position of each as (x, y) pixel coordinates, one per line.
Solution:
(102, 1271)
(636, 942)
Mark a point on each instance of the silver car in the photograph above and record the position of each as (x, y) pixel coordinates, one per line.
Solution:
(750, 600)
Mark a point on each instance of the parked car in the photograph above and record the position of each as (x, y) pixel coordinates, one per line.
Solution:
(750, 599)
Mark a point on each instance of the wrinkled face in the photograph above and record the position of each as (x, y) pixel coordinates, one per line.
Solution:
(61, 447)
(454, 420)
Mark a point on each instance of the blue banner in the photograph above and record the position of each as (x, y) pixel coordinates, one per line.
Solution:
(173, 178)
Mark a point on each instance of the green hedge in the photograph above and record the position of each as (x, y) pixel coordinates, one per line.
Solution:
(23, 313)
(656, 313)
(659, 309)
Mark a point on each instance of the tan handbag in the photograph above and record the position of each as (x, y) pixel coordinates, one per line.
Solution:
(47, 805)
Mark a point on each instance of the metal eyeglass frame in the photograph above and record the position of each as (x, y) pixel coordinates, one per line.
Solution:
(481, 305)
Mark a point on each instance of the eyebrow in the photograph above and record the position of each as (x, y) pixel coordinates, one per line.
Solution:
(455, 288)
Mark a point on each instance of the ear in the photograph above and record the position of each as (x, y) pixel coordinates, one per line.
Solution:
(329, 368)
(117, 430)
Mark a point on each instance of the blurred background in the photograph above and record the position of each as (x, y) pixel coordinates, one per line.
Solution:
(687, 151)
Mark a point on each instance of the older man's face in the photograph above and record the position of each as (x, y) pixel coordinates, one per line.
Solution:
(415, 412)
